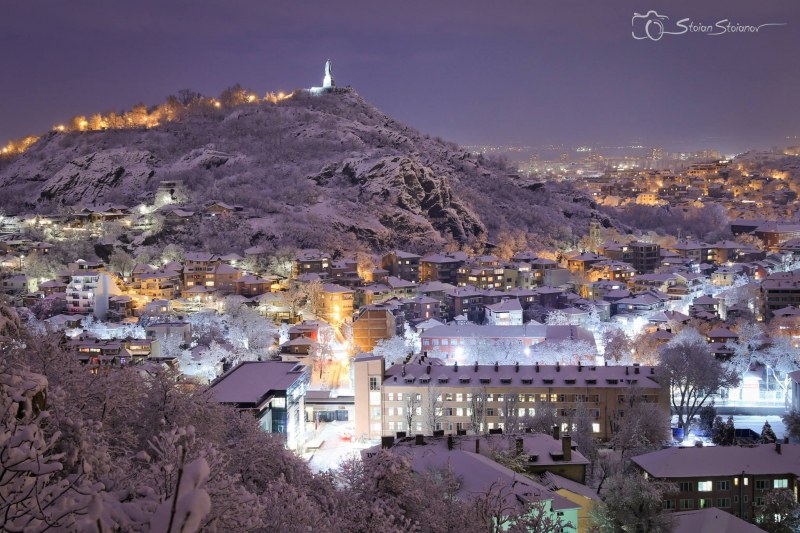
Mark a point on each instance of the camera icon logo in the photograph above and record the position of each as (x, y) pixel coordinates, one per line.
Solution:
(648, 26)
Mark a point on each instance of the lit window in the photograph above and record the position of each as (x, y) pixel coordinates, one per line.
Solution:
(595, 427)
(705, 486)
(780, 484)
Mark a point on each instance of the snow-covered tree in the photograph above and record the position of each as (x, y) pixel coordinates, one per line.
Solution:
(792, 422)
(413, 410)
(767, 435)
(477, 410)
(394, 349)
(644, 428)
(693, 374)
(632, 503)
(780, 512)
(432, 409)
(617, 346)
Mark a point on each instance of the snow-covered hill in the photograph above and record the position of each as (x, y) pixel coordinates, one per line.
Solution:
(302, 168)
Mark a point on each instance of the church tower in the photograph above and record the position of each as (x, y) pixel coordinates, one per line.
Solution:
(594, 235)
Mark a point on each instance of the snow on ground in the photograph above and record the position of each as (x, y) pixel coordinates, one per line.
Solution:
(336, 446)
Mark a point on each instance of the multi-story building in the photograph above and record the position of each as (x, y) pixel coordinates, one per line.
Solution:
(198, 269)
(250, 286)
(508, 312)
(374, 323)
(581, 263)
(157, 285)
(697, 251)
(732, 478)
(88, 292)
(506, 393)
(780, 290)
(421, 308)
(466, 301)
(311, 261)
(337, 303)
(646, 255)
(481, 276)
(404, 265)
(441, 267)
(273, 391)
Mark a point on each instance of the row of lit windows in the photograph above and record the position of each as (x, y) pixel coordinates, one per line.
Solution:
(708, 486)
(499, 397)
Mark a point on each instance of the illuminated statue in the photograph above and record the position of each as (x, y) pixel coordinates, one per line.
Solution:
(327, 81)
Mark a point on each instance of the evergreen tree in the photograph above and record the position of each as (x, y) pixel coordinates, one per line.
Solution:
(718, 431)
(767, 435)
(730, 433)
(706, 417)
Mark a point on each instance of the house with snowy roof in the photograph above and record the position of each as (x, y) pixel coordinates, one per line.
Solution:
(479, 475)
(732, 478)
(507, 312)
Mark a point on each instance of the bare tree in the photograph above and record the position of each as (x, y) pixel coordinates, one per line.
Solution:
(433, 409)
(693, 374)
(543, 419)
(413, 409)
(583, 436)
(511, 418)
(477, 410)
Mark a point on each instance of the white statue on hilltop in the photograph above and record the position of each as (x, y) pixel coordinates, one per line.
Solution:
(328, 81)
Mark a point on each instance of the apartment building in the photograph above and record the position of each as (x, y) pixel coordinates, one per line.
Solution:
(780, 290)
(402, 264)
(88, 293)
(337, 303)
(732, 478)
(441, 267)
(420, 397)
(374, 323)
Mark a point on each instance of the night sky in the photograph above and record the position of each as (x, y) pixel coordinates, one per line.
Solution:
(526, 72)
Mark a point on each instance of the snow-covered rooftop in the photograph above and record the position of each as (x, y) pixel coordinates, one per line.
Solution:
(251, 381)
(712, 461)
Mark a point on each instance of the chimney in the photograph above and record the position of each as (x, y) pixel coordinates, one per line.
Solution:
(450, 441)
(455, 367)
(537, 367)
(566, 447)
(519, 446)
(580, 368)
(477, 445)
(428, 369)
(778, 447)
(496, 366)
(387, 442)
(404, 371)
(558, 366)
(476, 366)
(556, 431)
(419, 439)
(516, 366)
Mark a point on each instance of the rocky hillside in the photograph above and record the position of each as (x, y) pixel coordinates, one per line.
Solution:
(309, 170)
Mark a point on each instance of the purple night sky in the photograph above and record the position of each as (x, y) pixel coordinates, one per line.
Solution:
(527, 72)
